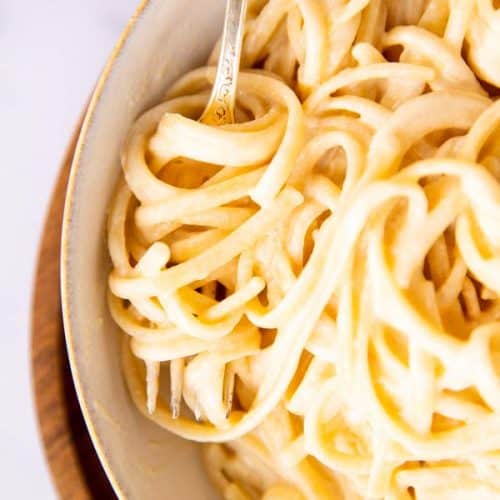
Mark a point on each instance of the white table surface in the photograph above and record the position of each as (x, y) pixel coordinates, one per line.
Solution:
(51, 53)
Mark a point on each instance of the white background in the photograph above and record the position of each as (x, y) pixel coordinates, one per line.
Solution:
(51, 52)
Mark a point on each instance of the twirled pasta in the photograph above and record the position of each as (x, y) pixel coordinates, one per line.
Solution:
(338, 249)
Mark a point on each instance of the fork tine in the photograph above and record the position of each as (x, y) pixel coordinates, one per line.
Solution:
(197, 412)
(152, 375)
(228, 391)
(176, 383)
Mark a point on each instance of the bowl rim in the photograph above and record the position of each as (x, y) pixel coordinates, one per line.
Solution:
(93, 106)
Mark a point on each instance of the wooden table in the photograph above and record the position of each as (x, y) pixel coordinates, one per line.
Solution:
(75, 468)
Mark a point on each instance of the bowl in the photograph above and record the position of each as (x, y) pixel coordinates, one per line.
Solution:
(163, 40)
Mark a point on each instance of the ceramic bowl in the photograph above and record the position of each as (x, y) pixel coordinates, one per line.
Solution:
(163, 40)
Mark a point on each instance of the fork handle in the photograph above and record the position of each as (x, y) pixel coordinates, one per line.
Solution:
(220, 107)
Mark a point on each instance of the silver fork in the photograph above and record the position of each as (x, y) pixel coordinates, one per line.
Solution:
(219, 111)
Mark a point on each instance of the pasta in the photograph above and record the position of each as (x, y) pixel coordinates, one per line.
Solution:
(334, 255)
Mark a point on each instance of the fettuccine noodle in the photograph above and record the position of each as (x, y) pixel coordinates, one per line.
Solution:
(337, 250)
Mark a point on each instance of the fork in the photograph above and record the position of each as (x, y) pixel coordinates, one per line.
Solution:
(218, 111)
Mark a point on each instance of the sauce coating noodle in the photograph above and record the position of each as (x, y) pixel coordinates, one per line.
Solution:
(337, 250)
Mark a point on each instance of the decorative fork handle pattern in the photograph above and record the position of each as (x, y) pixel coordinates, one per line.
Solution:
(220, 107)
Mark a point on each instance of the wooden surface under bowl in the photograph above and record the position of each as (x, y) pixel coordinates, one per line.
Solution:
(75, 468)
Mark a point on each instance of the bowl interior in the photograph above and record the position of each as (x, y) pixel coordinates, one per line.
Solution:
(164, 40)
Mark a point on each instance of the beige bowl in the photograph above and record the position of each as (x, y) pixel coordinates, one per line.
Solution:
(163, 40)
